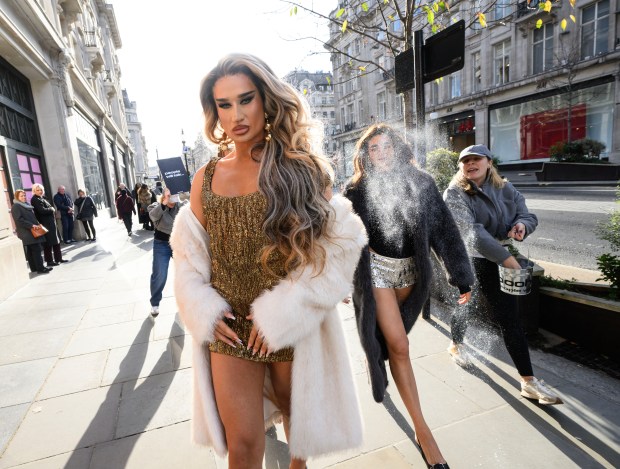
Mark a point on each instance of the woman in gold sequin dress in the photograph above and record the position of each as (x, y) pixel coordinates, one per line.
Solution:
(262, 259)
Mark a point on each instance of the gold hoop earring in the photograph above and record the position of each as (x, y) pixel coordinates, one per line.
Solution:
(267, 129)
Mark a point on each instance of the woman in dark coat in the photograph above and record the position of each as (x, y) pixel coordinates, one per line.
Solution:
(124, 209)
(46, 214)
(405, 218)
(85, 211)
(23, 215)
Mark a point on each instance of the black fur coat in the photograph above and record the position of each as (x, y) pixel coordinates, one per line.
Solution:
(430, 226)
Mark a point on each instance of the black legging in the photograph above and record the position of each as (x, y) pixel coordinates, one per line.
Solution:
(504, 312)
(127, 219)
(92, 227)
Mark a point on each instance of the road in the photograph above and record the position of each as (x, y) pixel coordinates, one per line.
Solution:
(567, 219)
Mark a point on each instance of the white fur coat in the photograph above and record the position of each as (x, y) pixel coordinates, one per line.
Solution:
(300, 311)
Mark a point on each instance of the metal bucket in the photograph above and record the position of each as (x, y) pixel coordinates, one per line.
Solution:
(516, 281)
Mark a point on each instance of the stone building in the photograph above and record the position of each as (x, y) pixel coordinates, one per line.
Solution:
(62, 116)
(136, 139)
(519, 85)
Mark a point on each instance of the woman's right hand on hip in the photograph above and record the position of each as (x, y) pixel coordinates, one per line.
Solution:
(224, 333)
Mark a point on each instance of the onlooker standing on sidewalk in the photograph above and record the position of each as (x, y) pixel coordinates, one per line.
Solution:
(64, 204)
(86, 211)
(162, 214)
(404, 217)
(145, 198)
(489, 212)
(23, 215)
(124, 209)
(46, 214)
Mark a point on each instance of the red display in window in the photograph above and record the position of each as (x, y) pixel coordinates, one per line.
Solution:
(541, 130)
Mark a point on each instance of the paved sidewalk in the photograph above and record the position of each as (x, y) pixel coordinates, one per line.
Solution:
(87, 380)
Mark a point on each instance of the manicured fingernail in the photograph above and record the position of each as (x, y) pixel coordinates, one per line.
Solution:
(232, 345)
(239, 341)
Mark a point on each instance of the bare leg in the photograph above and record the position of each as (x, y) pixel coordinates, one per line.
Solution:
(281, 380)
(391, 325)
(238, 386)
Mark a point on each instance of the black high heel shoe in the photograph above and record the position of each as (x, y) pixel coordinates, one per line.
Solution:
(439, 465)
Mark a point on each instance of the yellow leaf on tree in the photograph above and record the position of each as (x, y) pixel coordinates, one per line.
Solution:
(340, 13)
(538, 24)
(363, 69)
(344, 25)
(329, 80)
(572, 3)
(430, 16)
(547, 6)
(482, 19)
(305, 91)
(563, 24)
(365, 6)
(435, 7)
(572, 17)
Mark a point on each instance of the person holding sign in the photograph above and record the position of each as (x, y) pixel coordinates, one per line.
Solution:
(263, 256)
(490, 213)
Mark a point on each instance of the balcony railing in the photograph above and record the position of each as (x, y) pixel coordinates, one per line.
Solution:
(90, 39)
(525, 8)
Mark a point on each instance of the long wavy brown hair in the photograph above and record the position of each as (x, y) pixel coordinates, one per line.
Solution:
(361, 158)
(293, 174)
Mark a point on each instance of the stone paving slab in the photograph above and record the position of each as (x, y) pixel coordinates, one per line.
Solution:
(108, 337)
(154, 402)
(75, 374)
(62, 424)
(11, 418)
(162, 448)
(21, 381)
(33, 345)
(20, 322)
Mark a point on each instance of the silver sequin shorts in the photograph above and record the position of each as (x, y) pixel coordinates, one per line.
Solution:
(387, 272)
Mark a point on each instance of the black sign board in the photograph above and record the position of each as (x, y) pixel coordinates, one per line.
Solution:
(444, 52)
(404, 71)
(175, 177)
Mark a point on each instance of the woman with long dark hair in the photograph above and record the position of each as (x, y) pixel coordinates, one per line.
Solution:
(405, 218)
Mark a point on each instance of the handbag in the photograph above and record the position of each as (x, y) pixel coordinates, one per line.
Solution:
(78, 216)
(38, 231)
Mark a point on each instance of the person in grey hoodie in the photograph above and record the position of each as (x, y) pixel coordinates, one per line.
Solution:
(491, 213)
(162, 214)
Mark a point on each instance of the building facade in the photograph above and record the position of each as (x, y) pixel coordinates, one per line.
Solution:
(318, 89)
(136, 139)
(62, 116)
(525, 83)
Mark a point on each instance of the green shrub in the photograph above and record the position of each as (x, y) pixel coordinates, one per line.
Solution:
(442, 164)
(608, 263)
(585, 150)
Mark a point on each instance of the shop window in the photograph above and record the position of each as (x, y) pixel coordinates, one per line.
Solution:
(29, 172)
(501, 62)
(542, 58)
(595, 29)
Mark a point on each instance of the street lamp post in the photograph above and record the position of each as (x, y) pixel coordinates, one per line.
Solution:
(184, 151)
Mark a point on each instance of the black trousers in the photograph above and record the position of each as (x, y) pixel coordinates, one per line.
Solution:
(47, 253)
(127, 220)
(500, 307)
(88, 230)
(34, 257)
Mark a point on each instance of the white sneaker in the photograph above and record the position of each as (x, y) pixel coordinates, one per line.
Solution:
(537, 389)
(459, 354)
(154, 311)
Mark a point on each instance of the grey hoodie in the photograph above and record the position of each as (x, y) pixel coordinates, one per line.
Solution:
(486, 217)
(163, 216)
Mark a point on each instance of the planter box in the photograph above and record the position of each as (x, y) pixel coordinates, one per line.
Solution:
(588, 320)
(578, 172)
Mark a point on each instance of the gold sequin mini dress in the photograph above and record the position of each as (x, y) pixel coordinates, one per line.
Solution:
(234, 225)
